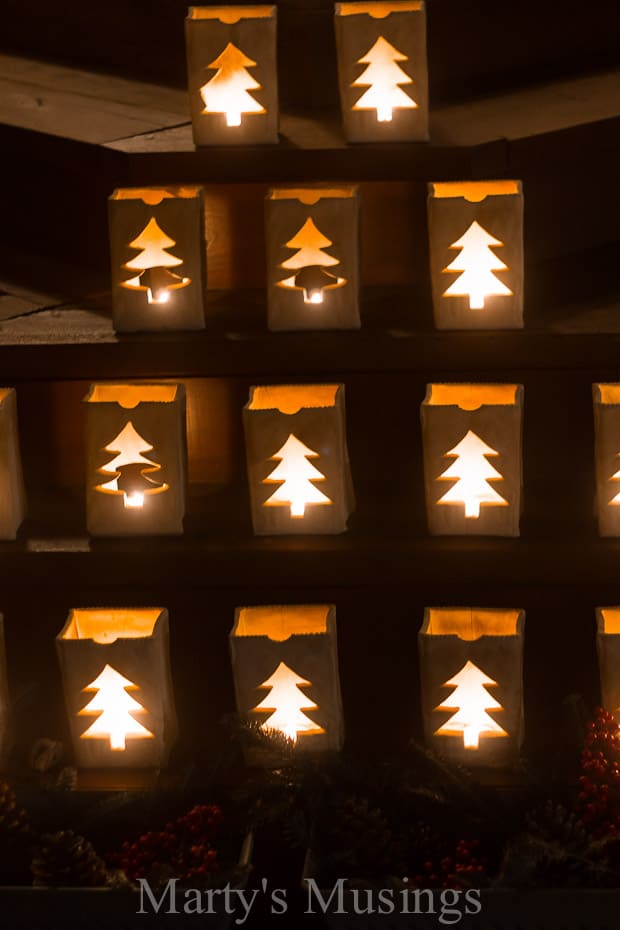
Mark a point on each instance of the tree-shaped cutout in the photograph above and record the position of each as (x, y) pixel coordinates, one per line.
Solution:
(477, 263)
(227, 91)
(287, 702)
(383, 77)
(615, 477)
(116, 710)
(472, 473)
(297, 475)
(309, 263)
(153, 265)
(470, 700)
(130, 473)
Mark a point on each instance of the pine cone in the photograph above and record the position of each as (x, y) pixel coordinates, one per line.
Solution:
(554, 823)
(67, 860)
(14, 824)
(363, 832)
(15, 838)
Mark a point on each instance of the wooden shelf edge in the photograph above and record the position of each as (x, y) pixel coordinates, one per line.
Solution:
(72, 342)
(480, 137)
(312, 562)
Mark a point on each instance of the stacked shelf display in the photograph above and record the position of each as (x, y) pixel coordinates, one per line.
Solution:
(386, 568)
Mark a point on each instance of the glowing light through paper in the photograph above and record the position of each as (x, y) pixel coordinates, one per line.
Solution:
(383, 77)
(297, 475)
(287, 702)
(227, 91)
(153, 264)
(477, 263)
(130, 471)
(116, 709)
(615, 477)
(471, 701)
(472, 472)
(309, 262)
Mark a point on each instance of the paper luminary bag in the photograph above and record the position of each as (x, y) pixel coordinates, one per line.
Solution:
(5, 722)
(232, 75)
(471, 670)
(158, 251)
(297, 459)
(115, 667)
(606, 399)
(476, 254)
(608, 647)
(472, 458)
(382, 70)
(285, 666)
(13, 495)
(135, 459)
(312, 236)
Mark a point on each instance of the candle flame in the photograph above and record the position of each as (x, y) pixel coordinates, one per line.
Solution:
(133, 499)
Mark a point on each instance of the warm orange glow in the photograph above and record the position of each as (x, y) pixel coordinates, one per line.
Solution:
(296, 474)
(130, 470)
(471, 396)
(472, 472)
(230, 14)
(470, 700)
(227, 91)
(470, 623)
(153, 263)
(378, 9)
(115, 708)
(309, 261)
(129, 396)
(106, 626)
(607, 393)
(609, 620)
(383, 77)
(287, 702)
(477, 263)
(280, 623)
(474, 191)
(154, 195)
(289, 398)
(311, 195)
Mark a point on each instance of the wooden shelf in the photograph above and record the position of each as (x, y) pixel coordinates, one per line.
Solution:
(143, 130)
(351, 560)
(71, 342)
(485, 137)
(70, 137)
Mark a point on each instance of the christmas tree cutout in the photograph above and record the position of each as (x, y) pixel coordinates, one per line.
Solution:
(297, 475)
(383, 77)
(287, 702)
(615, 477)
(115, 709)
(227, 91)
(477, 263)
(470, 700)
(153, 264)
(472, 472)
(309, 263)
(130, 472)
